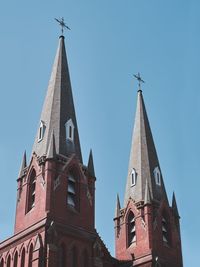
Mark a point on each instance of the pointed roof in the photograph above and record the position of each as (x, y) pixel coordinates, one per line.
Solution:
(174, 206)
(143, 159)
(118, 207)
(91, 164)
(57, 110)
(23, 165)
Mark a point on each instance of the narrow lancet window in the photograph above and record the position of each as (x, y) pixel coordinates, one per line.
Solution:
(23, 258)
(85, 259)
(69, 130)
(15, 260)
(62, 256)
(8, 261)
(31, 190)
(30, 257)
(74, 257)
(131, 229)
(71, 191)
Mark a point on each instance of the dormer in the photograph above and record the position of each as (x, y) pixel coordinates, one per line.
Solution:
(41, 131)
(133, 177)
(157, 175)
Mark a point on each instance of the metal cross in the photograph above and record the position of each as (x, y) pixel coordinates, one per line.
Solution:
(138, 77)
(62, 24)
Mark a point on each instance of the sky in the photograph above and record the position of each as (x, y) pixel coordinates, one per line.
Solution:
(109, 41)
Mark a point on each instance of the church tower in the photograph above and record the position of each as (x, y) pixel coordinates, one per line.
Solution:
(147, 230)
(55, 224)
(55, 209)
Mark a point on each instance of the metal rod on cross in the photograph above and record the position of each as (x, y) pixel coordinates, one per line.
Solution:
(140, 80)
(62, 24)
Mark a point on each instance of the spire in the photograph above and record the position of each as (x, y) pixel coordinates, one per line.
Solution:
(58, 113)
(91, 164)
(143, 160)
(147, 196)
(118, 207)
(23, 165)
(174, 206)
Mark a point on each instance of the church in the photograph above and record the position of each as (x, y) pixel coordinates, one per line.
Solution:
(55, 205)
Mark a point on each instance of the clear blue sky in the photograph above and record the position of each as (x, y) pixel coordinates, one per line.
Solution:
(109, 41)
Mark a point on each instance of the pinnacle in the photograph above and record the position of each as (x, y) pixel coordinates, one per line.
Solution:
(91, 164)
(51, 152)
(23, 165)
(174, 205)
(118, 207)
(147, 199)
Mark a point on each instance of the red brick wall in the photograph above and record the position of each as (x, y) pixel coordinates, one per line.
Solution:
(23, 218)
(149, 243)
(51, 201)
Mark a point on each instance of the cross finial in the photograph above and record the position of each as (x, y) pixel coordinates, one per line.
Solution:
(62, 24)
(140, 80)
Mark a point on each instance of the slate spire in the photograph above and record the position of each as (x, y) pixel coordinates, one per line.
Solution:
(143, 160)
(58, 113)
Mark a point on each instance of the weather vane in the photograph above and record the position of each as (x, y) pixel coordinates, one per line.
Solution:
(62, 24)
(138, 77)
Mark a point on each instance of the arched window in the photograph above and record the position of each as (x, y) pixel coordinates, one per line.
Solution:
(30, 256)
(31, 190)
(131, 229)
(62, 256)
(8, 261)
(2, 263)
(165, 230)
(71, 190)
(15, 259)
(85, 259)
(74, 255)
(23, 258)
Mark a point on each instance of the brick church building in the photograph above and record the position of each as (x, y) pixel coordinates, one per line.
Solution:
(55, 209)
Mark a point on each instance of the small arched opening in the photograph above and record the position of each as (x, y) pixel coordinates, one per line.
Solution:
(23, 258)
(8, 264)
(15, 259)
(62, 255)
(85, 259)
(30, 256)
(2, 263)
(74, 257)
